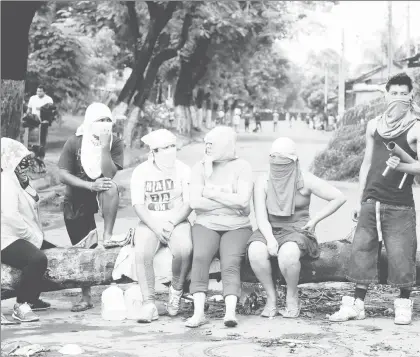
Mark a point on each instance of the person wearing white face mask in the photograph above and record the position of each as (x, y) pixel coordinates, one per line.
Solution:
(89, 161)
(160, 197)
(385, 211)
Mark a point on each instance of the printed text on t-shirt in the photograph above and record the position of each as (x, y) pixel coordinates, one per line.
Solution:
(159, 194)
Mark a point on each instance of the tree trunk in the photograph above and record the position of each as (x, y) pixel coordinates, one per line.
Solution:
(75, 267)
(16, 19)
(159, 17)
(183, 98)
(12, 97)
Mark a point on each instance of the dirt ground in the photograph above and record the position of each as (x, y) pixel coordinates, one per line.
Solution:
(309, 335)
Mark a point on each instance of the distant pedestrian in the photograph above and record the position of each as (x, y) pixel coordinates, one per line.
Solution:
(247, 117)
(275, 120)
(258, 121)
(288, 120)
(236, 119)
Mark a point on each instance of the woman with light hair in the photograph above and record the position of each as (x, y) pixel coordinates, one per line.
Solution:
(160, 197)
(286, 231)
(221, 189)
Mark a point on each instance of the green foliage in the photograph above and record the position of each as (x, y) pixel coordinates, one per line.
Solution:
(343, 157)
(56, 60)
(72, 49)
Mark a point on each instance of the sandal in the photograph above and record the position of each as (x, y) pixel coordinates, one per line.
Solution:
(5, 321)
(81, 306)
(193, 324)
(230, 322)
(291, 313)
(269, 312)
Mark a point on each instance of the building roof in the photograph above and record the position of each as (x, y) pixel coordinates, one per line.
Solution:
(373, 71)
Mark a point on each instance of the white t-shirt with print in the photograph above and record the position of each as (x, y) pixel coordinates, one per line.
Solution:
(35, 103)
(163, 194)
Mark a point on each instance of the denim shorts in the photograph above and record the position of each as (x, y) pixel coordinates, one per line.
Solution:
(398, 226)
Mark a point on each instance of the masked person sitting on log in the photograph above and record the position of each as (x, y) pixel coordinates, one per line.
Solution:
(22, 237)
(386, 209)
(286, 232)
(88, 163)
(160, 197)
(221, 189)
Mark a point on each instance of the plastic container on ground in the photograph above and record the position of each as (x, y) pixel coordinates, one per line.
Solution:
(133, 301)
(113, 304)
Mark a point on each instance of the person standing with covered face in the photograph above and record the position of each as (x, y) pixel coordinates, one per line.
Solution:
(221, 189)
(385, 212)
(22, 237)
(286, 231)
(160, 197)
(88, 163)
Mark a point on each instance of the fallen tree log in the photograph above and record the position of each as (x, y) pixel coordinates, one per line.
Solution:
(76, 267)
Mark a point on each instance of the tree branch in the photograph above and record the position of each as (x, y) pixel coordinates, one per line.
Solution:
(134, 25)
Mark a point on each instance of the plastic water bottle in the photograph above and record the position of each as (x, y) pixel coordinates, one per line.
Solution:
(133, 301)
(113, 304)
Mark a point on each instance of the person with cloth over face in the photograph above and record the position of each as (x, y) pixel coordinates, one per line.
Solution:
(22, 237)
(221, 189)
(88, 163)
(385, 210)
(160, 197)
(286, 231)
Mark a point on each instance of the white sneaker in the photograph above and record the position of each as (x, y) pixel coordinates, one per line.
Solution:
(351, 309)
(403, 310)
(174, 301)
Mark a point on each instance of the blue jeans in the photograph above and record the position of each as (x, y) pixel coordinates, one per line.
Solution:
(399, 235)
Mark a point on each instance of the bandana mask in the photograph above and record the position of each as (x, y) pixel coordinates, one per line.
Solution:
(165, 159)
(98, 128)
(22, 169)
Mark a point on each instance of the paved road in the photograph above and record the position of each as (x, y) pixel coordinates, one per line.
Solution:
(255, 147)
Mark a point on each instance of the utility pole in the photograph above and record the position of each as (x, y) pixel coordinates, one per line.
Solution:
(326, 88)
(390, 49)
(342, 80)
(408, 30)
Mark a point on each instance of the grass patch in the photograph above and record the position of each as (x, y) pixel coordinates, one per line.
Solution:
(343, 157)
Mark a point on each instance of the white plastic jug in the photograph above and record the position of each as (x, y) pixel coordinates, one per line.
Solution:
(113, 304)
(133, 301)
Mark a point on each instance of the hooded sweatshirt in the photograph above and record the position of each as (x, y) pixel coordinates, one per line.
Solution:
(19, 210)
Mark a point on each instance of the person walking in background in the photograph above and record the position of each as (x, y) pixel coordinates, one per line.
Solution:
(288, 119)
(275, 120)
(247, 117)
(220, 117)
(236, 119)
(258, 126)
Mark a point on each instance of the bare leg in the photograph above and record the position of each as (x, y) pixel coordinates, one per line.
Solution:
(260, 264)
(109, 201)
(289, 263)
(146, 245)
(180, 244)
